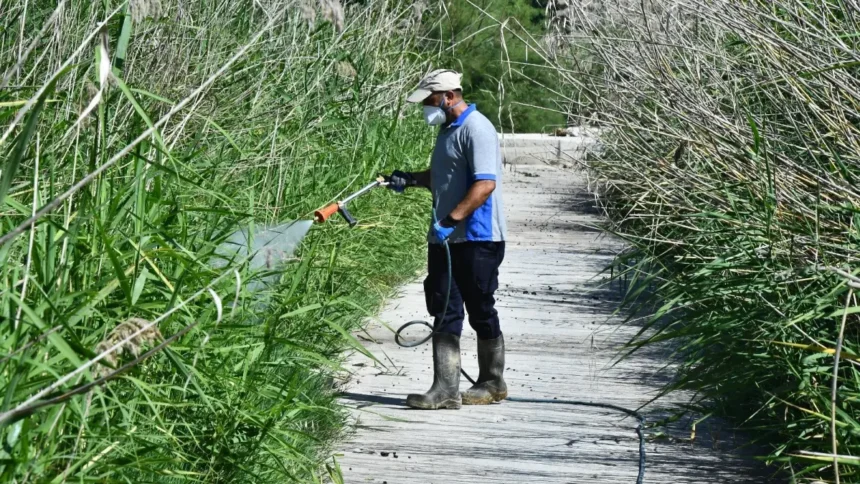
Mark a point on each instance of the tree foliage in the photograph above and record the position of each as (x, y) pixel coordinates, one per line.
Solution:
(508, 80)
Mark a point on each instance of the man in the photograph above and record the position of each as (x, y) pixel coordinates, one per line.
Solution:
(465, 179)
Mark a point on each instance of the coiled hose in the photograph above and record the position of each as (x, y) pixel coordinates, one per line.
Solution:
(435, 328)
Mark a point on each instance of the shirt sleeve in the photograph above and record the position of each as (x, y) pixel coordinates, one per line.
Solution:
(482, 153)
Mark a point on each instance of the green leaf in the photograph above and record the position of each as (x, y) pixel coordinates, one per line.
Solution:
(153, 96)
(186, 373)
(352, 340)
(115, 262)
(138, 285)
(13, 432)
(225, 133)
(301, 310)
(54, 338)
(22, 143)
(139, 110)
(122, 43)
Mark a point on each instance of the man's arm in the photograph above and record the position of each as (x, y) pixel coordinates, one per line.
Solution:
(478, 193)
(422, 178)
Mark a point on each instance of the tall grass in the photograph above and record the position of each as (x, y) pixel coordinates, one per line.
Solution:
(138, 136)
(730, 165)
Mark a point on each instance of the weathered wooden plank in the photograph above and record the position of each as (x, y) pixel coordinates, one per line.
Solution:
(562, 336)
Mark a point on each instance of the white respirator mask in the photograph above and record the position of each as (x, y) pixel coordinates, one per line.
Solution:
(435, 115)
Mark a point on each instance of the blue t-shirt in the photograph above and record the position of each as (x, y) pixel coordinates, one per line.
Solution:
(467, 150)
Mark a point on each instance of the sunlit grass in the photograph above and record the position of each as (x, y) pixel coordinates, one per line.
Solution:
(209, 117)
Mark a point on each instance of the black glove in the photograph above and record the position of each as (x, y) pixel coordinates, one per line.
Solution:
(399, 180)
(449, 222)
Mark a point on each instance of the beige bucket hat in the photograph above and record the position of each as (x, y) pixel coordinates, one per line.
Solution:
(436, 81)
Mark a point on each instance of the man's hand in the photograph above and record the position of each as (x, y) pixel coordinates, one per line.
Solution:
(399, 180)
(442, 233)
(443, 228)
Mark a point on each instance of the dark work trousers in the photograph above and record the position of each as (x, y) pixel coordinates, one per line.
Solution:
(475, 268)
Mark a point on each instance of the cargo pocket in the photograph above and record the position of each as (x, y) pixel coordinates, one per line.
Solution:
(485, 269)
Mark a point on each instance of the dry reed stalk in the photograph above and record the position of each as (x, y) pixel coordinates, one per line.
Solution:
(765, 97)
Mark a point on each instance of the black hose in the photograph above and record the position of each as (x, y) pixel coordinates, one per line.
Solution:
(436, 327)
(433, 329)
(640, 429)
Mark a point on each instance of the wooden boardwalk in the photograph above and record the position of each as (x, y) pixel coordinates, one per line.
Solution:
(557, 317)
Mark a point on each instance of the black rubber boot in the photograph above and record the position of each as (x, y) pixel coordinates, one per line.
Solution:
(490, 386)
(445, 392)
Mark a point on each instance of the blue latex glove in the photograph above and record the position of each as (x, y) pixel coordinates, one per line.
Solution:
(442, 233)
(399, 180)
